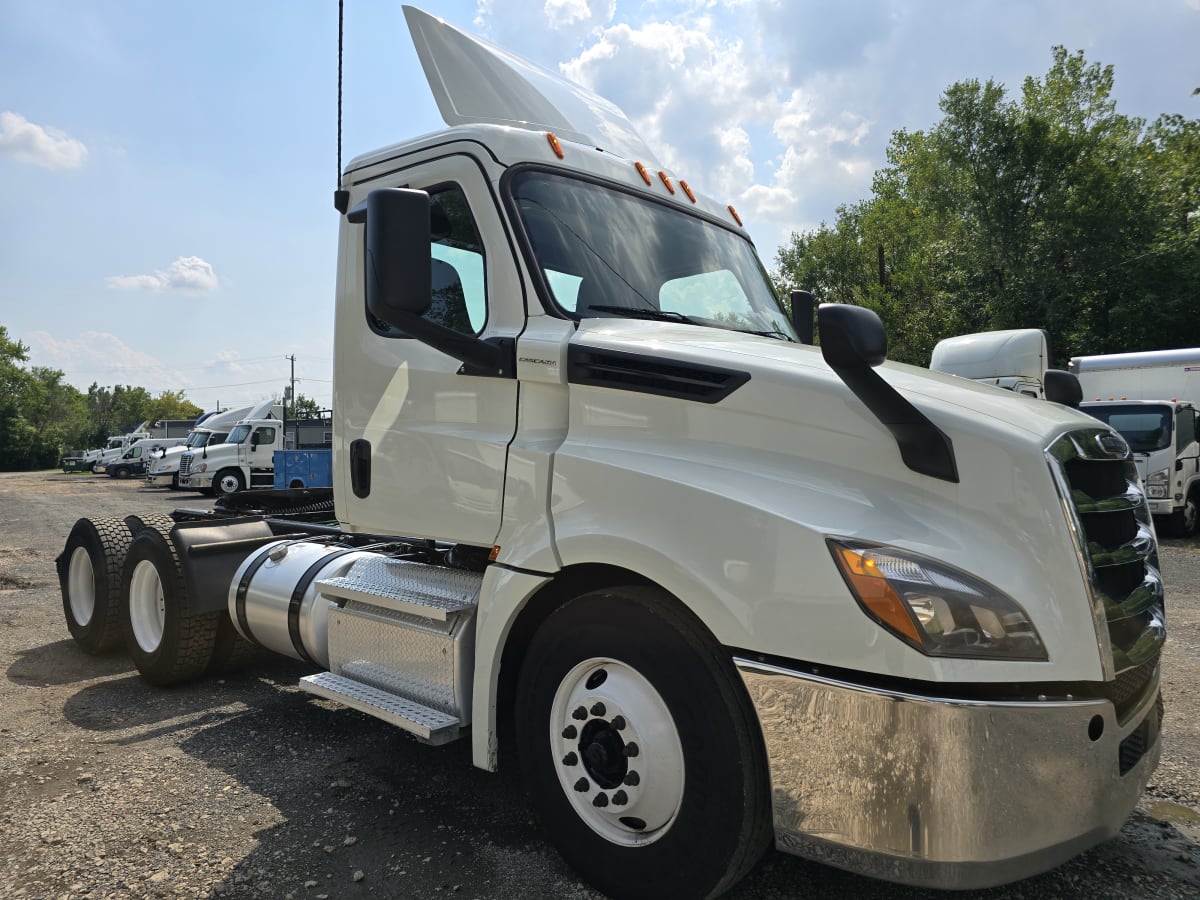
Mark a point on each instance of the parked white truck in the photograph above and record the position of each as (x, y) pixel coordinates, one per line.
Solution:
(164, 471)
(139, 455)
(1151, 398)
(719, 588)
(119, 444)
(1016, 359)
(246, 458)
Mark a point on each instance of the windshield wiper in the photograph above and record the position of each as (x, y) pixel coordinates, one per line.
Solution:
(658, 315)
(782, 335)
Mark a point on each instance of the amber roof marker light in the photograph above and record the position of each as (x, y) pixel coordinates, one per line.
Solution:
(642, 171)
(552, 138)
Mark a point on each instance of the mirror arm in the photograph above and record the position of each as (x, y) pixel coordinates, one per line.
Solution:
(494, 357)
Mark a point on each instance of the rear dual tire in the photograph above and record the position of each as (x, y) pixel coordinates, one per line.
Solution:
(169, 640)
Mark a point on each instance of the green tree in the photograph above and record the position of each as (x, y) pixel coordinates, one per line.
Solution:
(304, 408)
(1052, 211)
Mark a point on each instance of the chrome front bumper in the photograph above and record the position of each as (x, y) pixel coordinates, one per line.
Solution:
(945, 793)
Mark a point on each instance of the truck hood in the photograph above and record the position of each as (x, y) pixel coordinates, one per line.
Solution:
(953, 403)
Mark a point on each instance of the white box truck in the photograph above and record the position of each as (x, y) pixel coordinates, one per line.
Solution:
(719, 588)
(1151, 398)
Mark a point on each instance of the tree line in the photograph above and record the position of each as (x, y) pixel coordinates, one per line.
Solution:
(43, 419)
(1049, 211)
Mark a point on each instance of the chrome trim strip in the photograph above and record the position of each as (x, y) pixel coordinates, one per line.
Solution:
(940, 792)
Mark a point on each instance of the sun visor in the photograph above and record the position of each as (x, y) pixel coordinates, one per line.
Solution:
(475, 82)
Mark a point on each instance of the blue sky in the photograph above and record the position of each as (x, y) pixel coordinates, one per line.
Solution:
(167, 169)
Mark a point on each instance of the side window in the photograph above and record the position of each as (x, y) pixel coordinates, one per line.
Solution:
(266, 435)
(1185, 429)
(459, 296)
(136, 453)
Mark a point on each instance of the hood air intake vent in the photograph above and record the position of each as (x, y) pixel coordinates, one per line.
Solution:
(652, 375)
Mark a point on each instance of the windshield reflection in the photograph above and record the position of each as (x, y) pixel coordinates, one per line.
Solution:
(608, 253)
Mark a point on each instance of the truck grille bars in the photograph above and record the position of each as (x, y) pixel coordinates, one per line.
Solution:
(185, 465)
(1118, 554)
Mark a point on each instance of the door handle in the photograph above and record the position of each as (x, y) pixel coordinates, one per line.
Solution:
(360, 467)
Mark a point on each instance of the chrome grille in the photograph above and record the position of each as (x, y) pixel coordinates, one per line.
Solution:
(185, 464)
(1118, 553)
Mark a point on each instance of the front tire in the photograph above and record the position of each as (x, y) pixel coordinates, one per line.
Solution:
(1185, 521)
(228, 481)
(169, 641)
(120, 472)
(639, 748)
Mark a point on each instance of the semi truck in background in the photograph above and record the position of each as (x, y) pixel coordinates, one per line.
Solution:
(596, 501)
(1151, 398)
(246, 458)
(1016, 360)
(212, 429)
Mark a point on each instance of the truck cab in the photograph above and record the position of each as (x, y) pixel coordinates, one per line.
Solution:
(1163, 436)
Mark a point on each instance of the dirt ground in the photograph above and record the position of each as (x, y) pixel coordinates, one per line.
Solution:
(246, 787)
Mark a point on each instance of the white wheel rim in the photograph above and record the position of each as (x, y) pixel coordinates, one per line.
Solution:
(228, 484)
(617, 752)
(147, 606)
(81, 582)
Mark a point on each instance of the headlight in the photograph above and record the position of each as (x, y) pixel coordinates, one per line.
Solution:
(1158, 484)
(203, 467)
(934, 607)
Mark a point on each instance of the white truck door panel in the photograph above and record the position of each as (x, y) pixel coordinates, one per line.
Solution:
(438, 439)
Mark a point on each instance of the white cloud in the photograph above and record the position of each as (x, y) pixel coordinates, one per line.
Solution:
(572, 13)
(39, 145)
(101, 357)
(188, 273)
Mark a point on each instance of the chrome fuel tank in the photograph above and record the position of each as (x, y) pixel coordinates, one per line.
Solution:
(274, 602)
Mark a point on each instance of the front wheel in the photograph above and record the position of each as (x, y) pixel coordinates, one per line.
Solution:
(1185, 521)
(120, 472)
(228, 481)
(639, 748)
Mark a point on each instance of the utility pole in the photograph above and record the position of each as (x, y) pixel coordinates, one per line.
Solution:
(293, 391)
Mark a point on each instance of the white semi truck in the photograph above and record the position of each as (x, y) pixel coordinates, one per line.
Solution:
(719, 588)
(1151, 398)
(246, 458)
(164, 471)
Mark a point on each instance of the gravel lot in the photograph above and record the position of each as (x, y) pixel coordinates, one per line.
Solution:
(246, 787)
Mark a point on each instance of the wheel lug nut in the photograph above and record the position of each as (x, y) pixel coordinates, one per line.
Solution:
(620, 798)
(580, 713)
(600, 800)
(618, 723)
(570, 760)
(633, 779)
(570, 733)
(598, 709)
(582, 785)
(631, 749)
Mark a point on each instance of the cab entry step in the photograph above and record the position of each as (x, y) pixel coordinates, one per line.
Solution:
(428, 724)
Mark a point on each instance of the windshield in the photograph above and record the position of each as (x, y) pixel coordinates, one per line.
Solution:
(238, 435)
(1146, 428)
(116, 443)
(196, 439)
(609, 253)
